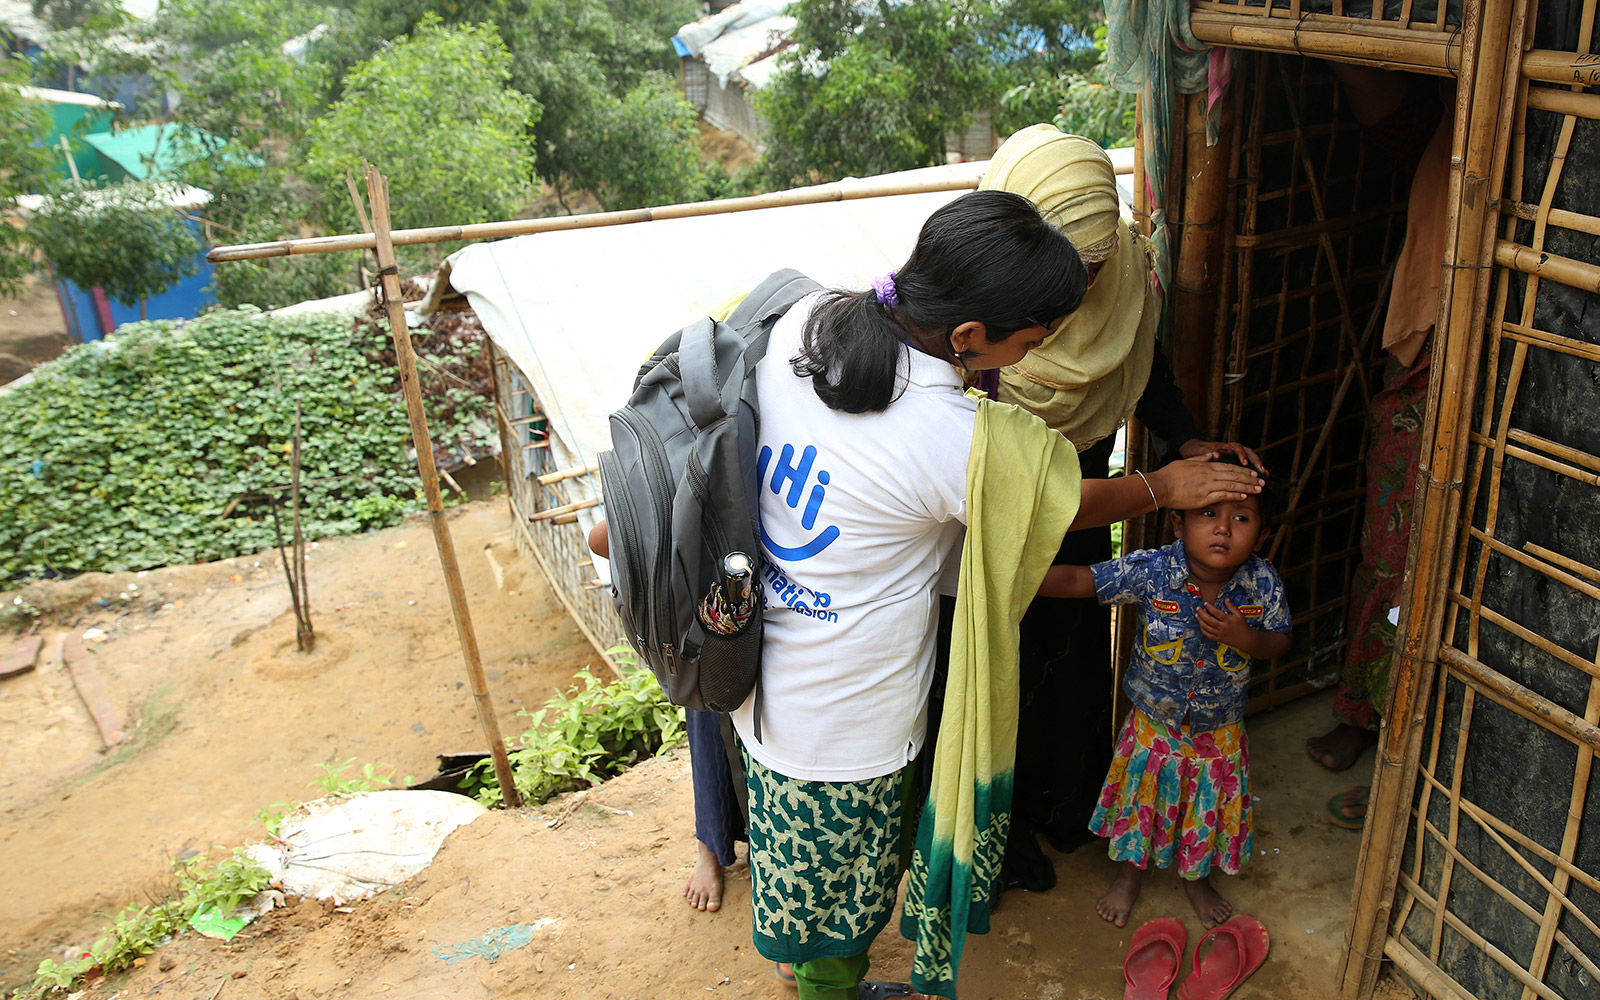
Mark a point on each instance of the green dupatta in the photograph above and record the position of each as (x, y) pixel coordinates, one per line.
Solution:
(1022, 494)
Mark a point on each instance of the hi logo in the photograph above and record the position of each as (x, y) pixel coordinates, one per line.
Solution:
(787, 473)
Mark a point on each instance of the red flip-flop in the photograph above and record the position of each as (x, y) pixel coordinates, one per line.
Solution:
(1238, 948)
(1154, 957)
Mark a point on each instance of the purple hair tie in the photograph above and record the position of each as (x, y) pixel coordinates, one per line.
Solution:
(887, 295)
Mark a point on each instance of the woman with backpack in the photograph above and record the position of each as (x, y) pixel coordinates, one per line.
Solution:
(875, 469)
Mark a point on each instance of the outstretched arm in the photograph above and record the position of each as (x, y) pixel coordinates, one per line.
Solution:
(1067, 581)
(1181, 485)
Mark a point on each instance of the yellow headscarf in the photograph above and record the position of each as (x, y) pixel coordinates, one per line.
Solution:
(1087, 377)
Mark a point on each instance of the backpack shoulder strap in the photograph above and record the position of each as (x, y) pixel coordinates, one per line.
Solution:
(765, 303)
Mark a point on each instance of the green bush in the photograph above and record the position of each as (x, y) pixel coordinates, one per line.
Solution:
(125, 454)
(585, 736)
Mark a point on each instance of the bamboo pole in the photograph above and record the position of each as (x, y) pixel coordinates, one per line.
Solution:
(1478, 158)
(571, 508)
(405, 360)
(561, 475)
(821, 194)
(1547, 265)
(1320, 35)
(1198, 269)
(1574, 69)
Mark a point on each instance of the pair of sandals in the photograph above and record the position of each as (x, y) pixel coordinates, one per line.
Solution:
(872, 989)
(1155, 955)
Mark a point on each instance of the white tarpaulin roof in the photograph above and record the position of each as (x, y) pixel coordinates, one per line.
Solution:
(578, 310)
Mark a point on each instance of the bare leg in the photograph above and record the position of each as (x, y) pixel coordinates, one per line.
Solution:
(1208, 904)
(1117, 903)
(1339, 747)
(704, 888)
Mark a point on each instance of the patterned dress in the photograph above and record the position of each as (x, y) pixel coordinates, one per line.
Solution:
(1178, 789)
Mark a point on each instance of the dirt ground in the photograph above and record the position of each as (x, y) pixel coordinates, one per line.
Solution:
(226, 717)
(31, 329)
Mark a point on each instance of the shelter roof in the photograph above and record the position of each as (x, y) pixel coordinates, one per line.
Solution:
(586, 304)
(737, 37)
(153, 150)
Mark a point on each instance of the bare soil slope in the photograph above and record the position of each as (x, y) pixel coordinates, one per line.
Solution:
(227, 717)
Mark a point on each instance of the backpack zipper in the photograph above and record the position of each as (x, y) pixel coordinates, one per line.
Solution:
(620, 507)
(656, 469)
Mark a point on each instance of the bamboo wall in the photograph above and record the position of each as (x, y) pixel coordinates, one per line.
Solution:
(535, 484)
(1421, 15)
(1498, 892)
(1317, 216)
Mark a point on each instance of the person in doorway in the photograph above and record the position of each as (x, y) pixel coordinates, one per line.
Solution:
(1404, 116)
(866, 441)
(1100, 367)
(1178, 788)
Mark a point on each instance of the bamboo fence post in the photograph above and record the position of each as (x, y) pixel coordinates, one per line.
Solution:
(1478, 160)
(305, 636)
(405, 360)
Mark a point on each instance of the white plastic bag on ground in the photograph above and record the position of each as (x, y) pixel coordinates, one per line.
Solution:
(347, 847)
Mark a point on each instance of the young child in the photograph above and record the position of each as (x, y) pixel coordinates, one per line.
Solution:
(1179, 787)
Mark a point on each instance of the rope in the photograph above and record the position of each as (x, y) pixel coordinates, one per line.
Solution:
(572, 438)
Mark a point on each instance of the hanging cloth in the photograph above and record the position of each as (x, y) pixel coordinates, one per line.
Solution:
(1151, 51)
(1022, 494)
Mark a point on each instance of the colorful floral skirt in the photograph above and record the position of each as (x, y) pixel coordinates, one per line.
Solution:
(1172, 795)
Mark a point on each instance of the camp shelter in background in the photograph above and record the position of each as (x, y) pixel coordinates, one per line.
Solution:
(1480, 870)
(572, 315)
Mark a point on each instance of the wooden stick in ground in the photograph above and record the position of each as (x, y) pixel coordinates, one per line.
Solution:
(305, 637)
(405, 360)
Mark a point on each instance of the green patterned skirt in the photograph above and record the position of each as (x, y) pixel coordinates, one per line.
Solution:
(825, 861)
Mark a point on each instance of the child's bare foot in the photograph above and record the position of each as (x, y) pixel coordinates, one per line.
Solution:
(1208, 904)
(1117, 903)
(704, 889)
(1339, 747)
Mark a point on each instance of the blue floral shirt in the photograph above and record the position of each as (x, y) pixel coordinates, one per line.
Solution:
(1175, 670)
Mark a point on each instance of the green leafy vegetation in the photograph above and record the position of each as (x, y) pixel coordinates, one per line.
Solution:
(198, 884)
(585, 735)
(435, 112)
(125, 455)
(125, 238)
(22, 124)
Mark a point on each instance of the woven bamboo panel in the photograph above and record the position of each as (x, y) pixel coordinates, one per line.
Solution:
(1499, 892)
(1318, 215)
(558, 546)
(1420, 15)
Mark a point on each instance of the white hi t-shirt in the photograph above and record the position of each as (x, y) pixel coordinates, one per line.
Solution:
(859, 512)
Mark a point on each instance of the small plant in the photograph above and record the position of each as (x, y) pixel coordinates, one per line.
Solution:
(586, 735)
(333, 781)
(135, 932)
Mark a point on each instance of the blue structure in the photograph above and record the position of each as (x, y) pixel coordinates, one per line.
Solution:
(91, 314)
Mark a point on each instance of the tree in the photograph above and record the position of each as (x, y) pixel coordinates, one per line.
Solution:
(126, 239)
(640, 151)
(869, 88)
(435, 113)
(586, 62)
(23, 123)
(242, 89)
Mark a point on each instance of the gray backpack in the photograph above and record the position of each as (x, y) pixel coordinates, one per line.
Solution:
(680, 496)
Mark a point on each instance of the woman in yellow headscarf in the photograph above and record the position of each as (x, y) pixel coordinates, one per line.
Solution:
(1099, 368)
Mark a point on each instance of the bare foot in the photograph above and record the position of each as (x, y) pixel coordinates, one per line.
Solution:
(1208, 905)
(704, 888)
(1339, 747)
(1117, 903)
(785, 972)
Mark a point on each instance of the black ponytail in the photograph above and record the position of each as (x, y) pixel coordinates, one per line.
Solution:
(987, 256)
